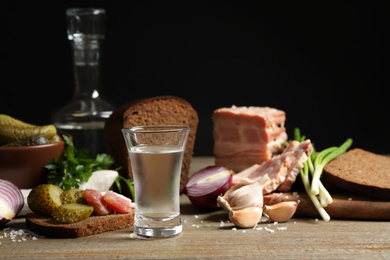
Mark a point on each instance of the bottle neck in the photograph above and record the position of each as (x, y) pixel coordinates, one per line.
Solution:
(86, 67)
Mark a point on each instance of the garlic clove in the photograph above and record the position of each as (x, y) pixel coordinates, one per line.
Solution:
(247, 217)
(245, 197)
(281, 212)
(237, 186)
(246, 193)
(223, 203)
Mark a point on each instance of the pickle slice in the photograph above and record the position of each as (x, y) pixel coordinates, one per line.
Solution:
(72, 212)
(44, 199)
(73, 196)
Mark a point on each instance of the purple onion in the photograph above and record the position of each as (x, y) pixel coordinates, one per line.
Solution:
(204, 186)
(11, 201)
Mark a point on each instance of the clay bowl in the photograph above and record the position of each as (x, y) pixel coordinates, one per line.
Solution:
(25, 166)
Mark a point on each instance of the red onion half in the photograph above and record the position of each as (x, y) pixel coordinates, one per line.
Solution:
(11, 201)
(204, 186)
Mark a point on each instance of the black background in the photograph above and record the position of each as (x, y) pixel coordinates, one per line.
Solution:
(325, 63)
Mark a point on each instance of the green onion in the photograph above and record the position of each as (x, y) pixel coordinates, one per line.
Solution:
(315, 165)
(306, 182)
(322, 159)
(128, 182)
(297, 134)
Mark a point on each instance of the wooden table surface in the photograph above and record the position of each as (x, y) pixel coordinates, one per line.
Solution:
(209, 235)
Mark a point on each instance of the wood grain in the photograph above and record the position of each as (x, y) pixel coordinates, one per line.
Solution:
(344, 206)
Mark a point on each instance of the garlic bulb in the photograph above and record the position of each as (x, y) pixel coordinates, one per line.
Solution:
(244, 202)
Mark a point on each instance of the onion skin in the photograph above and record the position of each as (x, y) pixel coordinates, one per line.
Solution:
(204, 195)
(11, 201)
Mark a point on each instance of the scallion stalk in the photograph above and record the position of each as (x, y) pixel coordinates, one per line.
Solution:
(129, 183)
(322, 159)
(297, 134)
(306, 182)
(315, 165)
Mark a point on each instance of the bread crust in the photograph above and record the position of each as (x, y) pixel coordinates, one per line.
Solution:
(49, 227)
(361, 172)
(161, 110)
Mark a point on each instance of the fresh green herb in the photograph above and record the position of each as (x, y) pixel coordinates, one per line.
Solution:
(306, 182)
(129, 183)
(315, 165)
(322, 159)
(74, 167)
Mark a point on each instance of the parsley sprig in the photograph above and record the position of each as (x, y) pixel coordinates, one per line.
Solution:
(74, 167)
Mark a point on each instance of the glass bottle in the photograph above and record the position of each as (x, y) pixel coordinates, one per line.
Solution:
(84, 117)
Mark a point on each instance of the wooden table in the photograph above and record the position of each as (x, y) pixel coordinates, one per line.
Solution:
(209, 235)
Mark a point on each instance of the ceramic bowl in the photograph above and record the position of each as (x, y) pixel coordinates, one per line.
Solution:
(25, 166)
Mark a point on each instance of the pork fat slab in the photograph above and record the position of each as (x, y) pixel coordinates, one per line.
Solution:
(244, 136)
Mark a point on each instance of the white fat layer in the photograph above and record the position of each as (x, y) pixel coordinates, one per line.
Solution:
(100, 180)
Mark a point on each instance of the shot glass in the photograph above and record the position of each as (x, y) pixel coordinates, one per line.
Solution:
(156, 155)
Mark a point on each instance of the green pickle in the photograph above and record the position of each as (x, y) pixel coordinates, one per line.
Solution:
(28, 141)
(14, 132)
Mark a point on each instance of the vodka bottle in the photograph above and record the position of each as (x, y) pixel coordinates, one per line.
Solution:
(85, 115)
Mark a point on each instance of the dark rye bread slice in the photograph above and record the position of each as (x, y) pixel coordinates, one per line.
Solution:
(162, 110)
(361, 172)
(49, 227)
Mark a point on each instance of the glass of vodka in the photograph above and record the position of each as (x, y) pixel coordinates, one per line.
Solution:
(156, 154)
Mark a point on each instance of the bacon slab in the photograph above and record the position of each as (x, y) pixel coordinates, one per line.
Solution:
(282, 169)
(299, 153)
(244, 136)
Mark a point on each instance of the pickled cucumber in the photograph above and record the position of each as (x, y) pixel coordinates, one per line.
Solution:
(72, 212)
(73, 196)
(28, 141)
(55, 139)
(8, 120)
(44, 199)
(10, 133)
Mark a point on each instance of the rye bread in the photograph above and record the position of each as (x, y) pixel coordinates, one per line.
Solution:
(161, 110)
(49, 227)
(361, 172)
